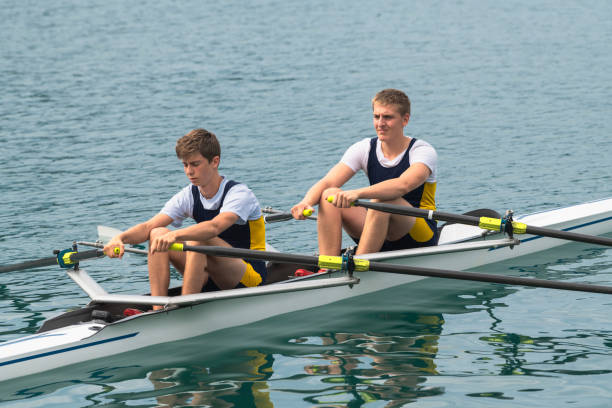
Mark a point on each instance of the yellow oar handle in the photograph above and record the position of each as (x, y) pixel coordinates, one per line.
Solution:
(307, 212)
(117, 250)
(330, 199)
(177, 246)
(495, 224)
(335, 262)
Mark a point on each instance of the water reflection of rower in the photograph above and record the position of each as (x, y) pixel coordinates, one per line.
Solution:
(369, 367)
(250, 391)
(394, 358)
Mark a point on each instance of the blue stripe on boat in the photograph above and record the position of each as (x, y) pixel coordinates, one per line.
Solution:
(50, 353)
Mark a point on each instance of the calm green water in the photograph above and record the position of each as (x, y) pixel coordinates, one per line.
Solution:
(516, 97)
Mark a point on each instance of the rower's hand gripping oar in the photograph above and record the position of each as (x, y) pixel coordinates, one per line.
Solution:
(506, 225)
(348, 263)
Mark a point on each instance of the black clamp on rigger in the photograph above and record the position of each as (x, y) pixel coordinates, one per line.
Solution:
(348, 263)
(64, 258)
(507, 226)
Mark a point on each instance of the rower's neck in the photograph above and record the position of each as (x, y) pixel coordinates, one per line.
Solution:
(395, 147)
(211, 188)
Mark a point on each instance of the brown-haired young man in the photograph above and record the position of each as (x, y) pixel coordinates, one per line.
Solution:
(401, 170)
(227, 214)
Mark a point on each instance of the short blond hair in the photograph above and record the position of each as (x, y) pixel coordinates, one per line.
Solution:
(198, 141)
(393, 97)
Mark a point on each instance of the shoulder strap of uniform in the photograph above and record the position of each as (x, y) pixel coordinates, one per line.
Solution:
(228, 186)
(195, 192)
(373, 144)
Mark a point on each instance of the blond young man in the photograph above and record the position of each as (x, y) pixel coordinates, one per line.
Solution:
(227, 214)
(401, 170)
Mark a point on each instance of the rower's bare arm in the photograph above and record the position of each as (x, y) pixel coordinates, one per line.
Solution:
(337, 176)
(200, 232)
(391, 189)
(208, 229)
(135, 235)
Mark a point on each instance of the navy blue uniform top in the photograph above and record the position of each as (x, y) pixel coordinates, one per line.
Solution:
(239, 236)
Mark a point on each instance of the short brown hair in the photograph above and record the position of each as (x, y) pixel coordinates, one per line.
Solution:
(393, 97)
(198, 141)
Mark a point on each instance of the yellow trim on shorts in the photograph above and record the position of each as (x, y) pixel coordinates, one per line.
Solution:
(250, 277)
(421, 232)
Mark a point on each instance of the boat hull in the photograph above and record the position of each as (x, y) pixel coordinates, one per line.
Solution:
(80, 342)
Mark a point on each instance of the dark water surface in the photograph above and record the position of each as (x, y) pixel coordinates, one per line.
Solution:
(516, 98)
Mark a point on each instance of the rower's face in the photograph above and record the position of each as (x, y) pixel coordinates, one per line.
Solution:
(388, 122)
(198, 169)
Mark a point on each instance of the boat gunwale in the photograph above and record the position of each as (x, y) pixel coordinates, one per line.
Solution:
(197, 298)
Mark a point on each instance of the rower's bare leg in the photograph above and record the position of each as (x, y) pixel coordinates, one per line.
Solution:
(195, 274)
(374, 232)
(329, 225)
(380, 226)
(159, 267)
(331, 220)
(226, 272)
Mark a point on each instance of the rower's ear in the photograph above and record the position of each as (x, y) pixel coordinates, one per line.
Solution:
(215, 161)
(406, 119)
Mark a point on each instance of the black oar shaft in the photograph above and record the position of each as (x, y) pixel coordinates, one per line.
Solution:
(253, 254)
(284, 216)
(278, 217)
(77, 256)
(471, 220)
(419, 212)
(400, 269)
(90, 253)
(573, 236)
(29, 264)
(485, 277)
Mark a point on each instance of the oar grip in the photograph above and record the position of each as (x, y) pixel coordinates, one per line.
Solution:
(330, 199)
(177, 246)
(307, 212)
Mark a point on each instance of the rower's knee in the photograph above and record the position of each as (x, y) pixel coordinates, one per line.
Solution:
(328, 192)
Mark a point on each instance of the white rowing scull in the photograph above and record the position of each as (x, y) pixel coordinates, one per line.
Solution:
(100, 329)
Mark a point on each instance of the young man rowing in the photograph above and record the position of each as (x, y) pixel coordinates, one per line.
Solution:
(401, 170)
(227, 214)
